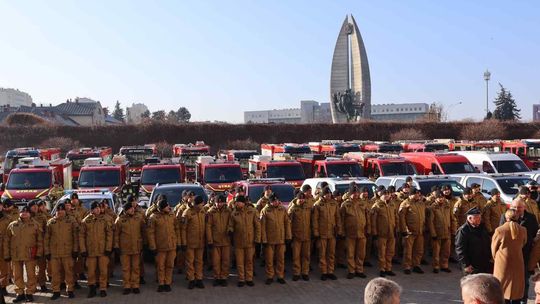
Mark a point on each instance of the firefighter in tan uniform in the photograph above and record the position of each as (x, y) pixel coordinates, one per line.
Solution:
(442, 225)
(245, 228)
(10, 210)
(164, 239)
(61, 247)
(95, 242)
(264, 200)
(80, 212)
(178, 211)
(5, 269)
(530, 205)
(412, 220)
(110, 216)
(300, 218)
(23, 245)
(193, 241)
(275, 232)
(326, 224)
(493, 211)
(341, 243)
(464, 204)
(479, 198)
(77, 206)
(355, 220)
(56, 192)
(403, 194)
(217, 237)
(128, 242)
(383, 226)
(41, 218)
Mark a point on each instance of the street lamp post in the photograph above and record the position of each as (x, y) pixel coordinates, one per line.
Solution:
(487, 77)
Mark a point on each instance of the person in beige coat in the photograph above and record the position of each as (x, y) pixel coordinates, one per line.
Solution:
(506, 248)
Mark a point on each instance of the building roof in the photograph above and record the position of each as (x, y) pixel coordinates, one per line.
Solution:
(112, 121)
(75, 108)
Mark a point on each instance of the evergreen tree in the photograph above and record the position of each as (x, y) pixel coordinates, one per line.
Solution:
(158, 115)
(118, 112)
(506, 108)
(172, 117)
(146, 114)
(183, 114)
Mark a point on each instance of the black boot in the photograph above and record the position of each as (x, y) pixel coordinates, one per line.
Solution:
(191, 285)
(126, 291)
(199, 284)
(19, 298)
(160, 288)
(103, 293)
(71, 295)
(55, 296)
(92, 291)
(29, 298)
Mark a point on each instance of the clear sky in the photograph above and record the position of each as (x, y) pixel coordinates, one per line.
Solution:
(220, 58)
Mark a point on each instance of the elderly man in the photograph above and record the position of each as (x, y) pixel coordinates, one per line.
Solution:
(473, 244)
(382, 291)
(481, 288)
(527, 220)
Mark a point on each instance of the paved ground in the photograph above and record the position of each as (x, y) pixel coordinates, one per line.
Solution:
(418, 288)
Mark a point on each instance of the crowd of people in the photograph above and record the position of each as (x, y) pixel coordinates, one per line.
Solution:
(341, 228)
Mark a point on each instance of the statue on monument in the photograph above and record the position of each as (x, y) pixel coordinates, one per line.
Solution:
(345, 102)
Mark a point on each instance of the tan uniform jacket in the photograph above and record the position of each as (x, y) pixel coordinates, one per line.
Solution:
(275, 225)
(492, 214)
(24, 240)
(300, 217)
(217, 226)
(95, 235)
(326, 221)
(383, 219)
(460, 208)
(193, 227)
(412, 217)
(245, 226)
(355, 219)
(128, 233)
(441, 222)
(61, 237)
(163, 232)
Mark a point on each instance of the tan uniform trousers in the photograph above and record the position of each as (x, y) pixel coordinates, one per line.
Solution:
(41, 271)
(62, 268)
(413, 250)
(165, 266)
(131, 264)
(4, 273)
(441, 253)
(327, 254)
(244, 263)
(221, 260)
(301, 253)
(22, 287)
(97, 265)
(385, 249)
(356, 252)
(274, 253)
(194, 263)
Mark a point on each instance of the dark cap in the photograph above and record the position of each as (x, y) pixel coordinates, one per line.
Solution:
(381, 188)
(353, 188)
(434, 188)
(437, 193)
(267, 187)
(273, 197)
(408, 179)
(40, 202)
(221, 199)
(524, 190)
(306, 187)
(94, 205)
(7, 202)
(495, 191)
(365, 189)
(60, 206)
(240, 199)
(336, 193)
(74, 195)
(326, 190)
(163, 204)
(25, 209)
(391, 189)
(32, 203)
(475, 185)
(300, 195)
(127, 205)
(405, 185)
(198, 200)
(446, 187)
(467, 191)
(473, 211)
(413, 191)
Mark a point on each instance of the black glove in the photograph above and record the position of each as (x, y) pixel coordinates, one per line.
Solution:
(264, 245)
(375, 237)
(38, 257)
(108, 252)
(178, 248)
(210, 246)
(340, 237)
(7, 259)
(84, 254)
(117, 251)
(74, 254)
(183, 248)
(288, 242)
(404, 234)
(434, 238)
(152, 252)
(48, 257)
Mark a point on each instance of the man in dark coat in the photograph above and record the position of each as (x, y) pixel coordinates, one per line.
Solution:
(473, 244)
(527, 220)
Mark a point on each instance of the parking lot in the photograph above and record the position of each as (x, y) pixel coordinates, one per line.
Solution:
(417, 288)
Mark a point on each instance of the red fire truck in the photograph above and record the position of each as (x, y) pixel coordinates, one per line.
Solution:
(289, 170)
(333, 147)
(95, 174)
(217, 175)
(382, 147)
(189, 153)
(482, 145)
(13, 156)
(78, 156)
(315, 165)
(136, 156)
(241, 156)
(439, 163)
(424, 147)
(291, 149)
(382, 164)
(33, 178)
(161, 173)
(527, 149)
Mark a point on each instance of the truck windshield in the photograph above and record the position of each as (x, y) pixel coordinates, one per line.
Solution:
(287, 172)
(162, 176)
(457, 168)
(29, 180)
(99, 178)
(10, 162)
(341, 170)
(285, 193)
(511, 185)
(435, 147)
(391, 169)
(77, 161)
(390, 148)
(136, 157)
(340, 150)
(222, 174)
(510, 166)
